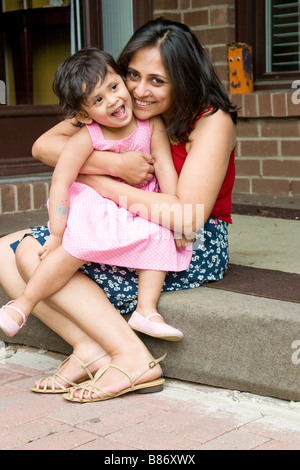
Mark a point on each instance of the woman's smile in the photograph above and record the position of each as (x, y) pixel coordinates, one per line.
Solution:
(143, 104)
(149, 83)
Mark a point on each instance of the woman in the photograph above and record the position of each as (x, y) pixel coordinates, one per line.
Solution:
(168, 73)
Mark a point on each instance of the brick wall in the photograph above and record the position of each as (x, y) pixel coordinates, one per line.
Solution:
(268, 130)
(23, 196)
(268, 148)
(213, 22)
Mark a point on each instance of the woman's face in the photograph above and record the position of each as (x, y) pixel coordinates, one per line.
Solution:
(149, 84)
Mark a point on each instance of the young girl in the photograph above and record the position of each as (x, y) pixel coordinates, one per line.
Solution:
(83, 225)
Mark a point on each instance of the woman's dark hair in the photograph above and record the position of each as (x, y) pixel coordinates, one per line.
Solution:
(195, 83)
(87, 67)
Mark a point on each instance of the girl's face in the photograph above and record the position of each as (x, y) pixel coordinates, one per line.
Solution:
(149, 84)
(109, 103)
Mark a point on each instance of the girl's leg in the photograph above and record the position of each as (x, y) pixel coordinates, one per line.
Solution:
(146, 319)
(82, 301)
(49, 276)
(150, 286)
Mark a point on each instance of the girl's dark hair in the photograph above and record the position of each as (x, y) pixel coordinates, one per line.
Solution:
(195, 83)
(87, 67)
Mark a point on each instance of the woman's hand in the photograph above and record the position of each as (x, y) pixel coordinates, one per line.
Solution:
(136, 168)
(182, 242)
(98, 182)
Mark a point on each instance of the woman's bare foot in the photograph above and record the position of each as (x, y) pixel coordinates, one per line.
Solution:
(114, 381)
(72, 370)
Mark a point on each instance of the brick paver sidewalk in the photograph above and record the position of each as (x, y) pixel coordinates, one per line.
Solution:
(184, 417)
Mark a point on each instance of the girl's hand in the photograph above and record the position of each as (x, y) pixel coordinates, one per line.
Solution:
(51, 244)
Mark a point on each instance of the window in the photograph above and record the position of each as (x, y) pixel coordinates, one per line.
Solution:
(272, 28)
(35, 36)
(282, 35)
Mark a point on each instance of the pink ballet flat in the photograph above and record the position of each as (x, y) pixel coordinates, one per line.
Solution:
(7, 324)
(158, 330)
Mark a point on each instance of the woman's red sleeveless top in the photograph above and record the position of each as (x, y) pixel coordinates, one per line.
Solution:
(223, 204)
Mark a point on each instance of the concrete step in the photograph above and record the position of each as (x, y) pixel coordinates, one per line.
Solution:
(234, 338)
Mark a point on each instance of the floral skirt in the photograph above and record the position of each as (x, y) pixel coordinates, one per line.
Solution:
(209, 263)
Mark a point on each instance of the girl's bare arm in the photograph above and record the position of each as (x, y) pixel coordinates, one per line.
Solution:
(133, 167)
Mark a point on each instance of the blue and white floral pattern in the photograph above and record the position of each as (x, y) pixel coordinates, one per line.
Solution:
(208, 263)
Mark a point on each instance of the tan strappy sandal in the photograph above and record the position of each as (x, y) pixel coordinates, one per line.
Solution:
(52, 385)
(91, 388)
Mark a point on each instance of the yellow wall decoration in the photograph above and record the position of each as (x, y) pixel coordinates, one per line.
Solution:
(240, 68)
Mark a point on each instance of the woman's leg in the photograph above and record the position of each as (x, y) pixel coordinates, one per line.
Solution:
(13, 284)
(43, 278)
(84, 303)
(83, 346)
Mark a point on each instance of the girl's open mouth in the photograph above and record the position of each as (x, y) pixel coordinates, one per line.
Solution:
(120, 112)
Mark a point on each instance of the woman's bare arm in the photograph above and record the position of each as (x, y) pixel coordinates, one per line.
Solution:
(201, 178)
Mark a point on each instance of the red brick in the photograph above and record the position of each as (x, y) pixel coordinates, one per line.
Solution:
(276, 445)
(264, 104)
(184, 4)
(280, 127)
(247, 167)
(23, 197)
(221, 16)
(290, 148)
(63, 440)
(237, 100)
(208, 3)
(237, 439)
(283, 168)
(222, 72)
(212, 36)
(295, 188)
(169, 15)
(196, 18)
(274, 187)
(40, 190)
(8, 198)
(293, 103)
(279, 104)
(259, 148)
(241, 186)
(247, 128)
(250, 105)
(219, 54)
(165, 5)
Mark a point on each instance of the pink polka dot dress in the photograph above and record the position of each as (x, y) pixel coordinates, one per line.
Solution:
(99, 230)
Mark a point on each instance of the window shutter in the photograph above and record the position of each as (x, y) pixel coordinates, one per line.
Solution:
(283, 35)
